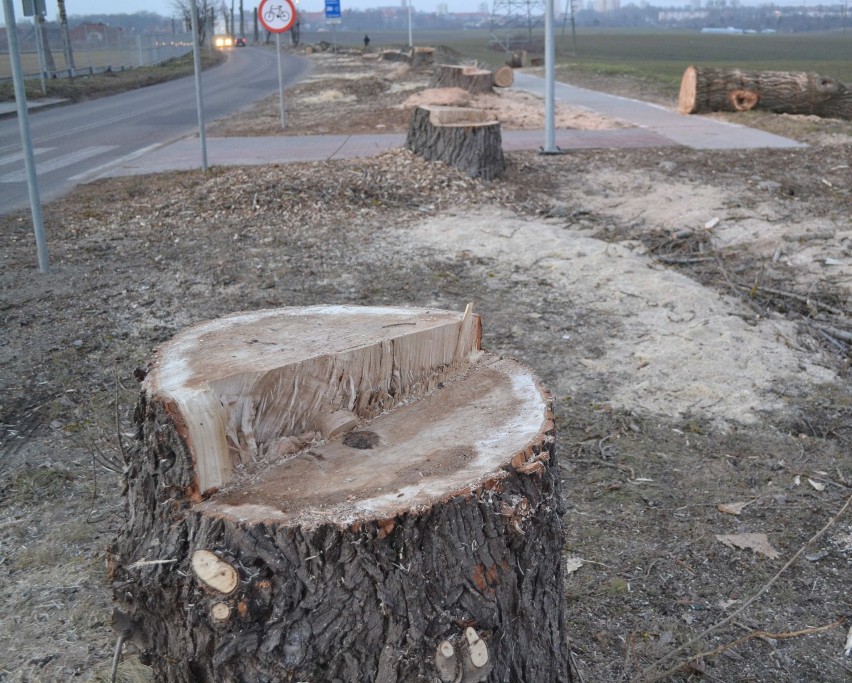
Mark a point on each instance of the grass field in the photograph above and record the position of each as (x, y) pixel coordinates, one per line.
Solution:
(657, 55)
(664, 56)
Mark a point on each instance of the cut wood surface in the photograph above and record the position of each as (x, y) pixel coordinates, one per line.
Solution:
(504, 76)
(705, 89)
(468, 139)
(470, 78)
(343, 494)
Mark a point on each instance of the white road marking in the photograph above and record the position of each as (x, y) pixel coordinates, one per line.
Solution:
(19, 156)
(57, 163)
(98, 172)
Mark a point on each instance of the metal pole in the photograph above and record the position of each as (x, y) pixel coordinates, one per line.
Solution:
(199, 105)
(410, 33)
(549, 78)
(281, 80)
(41, 61)
(26, 140)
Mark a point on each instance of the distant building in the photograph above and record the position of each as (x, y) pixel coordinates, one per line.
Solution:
(606, 5)
(96, 34)
(679, 16)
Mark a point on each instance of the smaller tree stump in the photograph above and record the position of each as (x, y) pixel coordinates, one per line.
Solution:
(518, 59)
(704, 89)
(473, 79)
(394, 55)
(422, 56)
(468, 139)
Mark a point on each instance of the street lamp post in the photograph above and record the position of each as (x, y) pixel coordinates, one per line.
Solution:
(410, 34)
(549, 78)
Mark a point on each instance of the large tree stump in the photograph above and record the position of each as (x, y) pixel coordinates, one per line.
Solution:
(468, 139)
(342, 494)
(470, 78)
(706, 90)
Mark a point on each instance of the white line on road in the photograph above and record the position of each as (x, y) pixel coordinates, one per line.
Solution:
(58, 162)
(19, 156)
(101, 171)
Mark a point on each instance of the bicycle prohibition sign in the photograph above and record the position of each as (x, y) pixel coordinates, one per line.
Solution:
(276, 16)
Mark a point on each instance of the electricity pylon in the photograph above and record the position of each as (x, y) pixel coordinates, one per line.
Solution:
(510, 18)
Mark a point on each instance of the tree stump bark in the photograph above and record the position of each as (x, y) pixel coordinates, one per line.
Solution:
(338, 494)
(395, 55)
(518, 59)
(422, 56)
(706, 90)
(468, 139)
(470, 78)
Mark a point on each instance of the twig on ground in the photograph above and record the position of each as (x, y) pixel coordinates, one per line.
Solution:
(798, 297)
(670, 260)
(770, 635)
(574, 666)
(116, 657)
(735, 288)
(604, 463)
(628, 651)
(644, 677)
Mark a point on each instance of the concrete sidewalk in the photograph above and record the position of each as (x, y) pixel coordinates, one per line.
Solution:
(697, 132)
(185, 154)
(9, 109)
(655, 126)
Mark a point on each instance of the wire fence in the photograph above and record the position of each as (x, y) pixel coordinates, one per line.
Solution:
(94, 49)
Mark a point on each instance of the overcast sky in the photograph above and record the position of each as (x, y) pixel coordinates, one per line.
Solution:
(164, 7)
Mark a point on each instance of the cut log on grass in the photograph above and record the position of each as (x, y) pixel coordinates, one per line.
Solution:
(707, 90)
(503, 77)
(470, 78)
(342, 494)
(468, 139)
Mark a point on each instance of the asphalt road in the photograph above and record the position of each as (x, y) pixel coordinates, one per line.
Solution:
(72, 143)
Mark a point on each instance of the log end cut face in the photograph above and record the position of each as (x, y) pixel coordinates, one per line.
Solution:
(444, 115)
(345, 414)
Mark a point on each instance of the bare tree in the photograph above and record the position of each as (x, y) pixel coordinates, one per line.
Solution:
(206, 15)
(66, 39)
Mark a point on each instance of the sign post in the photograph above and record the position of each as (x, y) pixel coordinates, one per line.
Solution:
(278, 16)
(332, 16)
(26, 138)
(199, 100)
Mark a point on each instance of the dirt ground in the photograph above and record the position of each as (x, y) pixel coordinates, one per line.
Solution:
(689, 310)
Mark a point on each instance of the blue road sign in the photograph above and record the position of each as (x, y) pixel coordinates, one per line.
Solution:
(332, 9)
